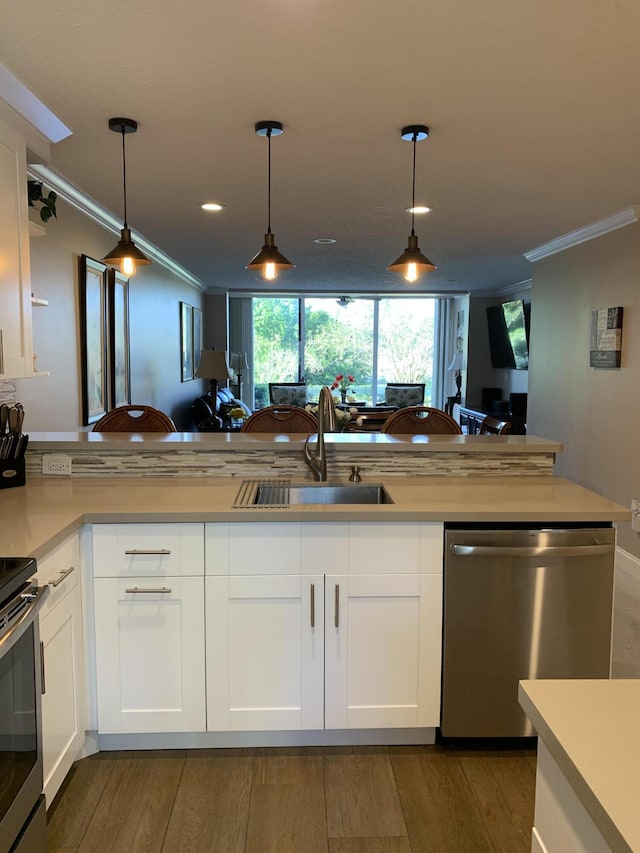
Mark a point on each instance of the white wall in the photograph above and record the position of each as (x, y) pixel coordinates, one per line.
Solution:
(593, 412)
(54, 403)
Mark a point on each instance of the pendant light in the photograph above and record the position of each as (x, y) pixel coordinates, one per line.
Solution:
(269, 260)
(412, 263)
(125, 254)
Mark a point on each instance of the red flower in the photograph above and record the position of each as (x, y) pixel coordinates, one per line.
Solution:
(339, 377)
(352, 378)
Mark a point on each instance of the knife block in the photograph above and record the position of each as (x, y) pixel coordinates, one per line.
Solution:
(12, 473)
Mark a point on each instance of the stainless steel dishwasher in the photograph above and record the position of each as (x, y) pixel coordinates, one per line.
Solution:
(520, 603)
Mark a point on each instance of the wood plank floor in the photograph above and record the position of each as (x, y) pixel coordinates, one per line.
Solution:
(462, 796)
(432, 799)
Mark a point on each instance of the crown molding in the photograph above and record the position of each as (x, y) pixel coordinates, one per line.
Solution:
(627, 216)
(27, 105)
(97, 213)
(518, 287)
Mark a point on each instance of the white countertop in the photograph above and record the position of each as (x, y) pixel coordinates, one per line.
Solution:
(35, 517)
(337, 442)
(592, 729)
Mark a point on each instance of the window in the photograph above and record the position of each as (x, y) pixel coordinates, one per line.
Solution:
(377, 340)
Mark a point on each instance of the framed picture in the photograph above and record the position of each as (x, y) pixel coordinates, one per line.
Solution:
(186, 342)
(196, 338)
(118, 322)
(605, 350)
(93, 330)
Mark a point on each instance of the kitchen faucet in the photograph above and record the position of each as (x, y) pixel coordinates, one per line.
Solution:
(327, 421)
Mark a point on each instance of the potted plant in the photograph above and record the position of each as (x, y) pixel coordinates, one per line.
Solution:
(48, 202)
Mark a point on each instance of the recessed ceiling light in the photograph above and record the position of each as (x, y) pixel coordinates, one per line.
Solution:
(324, 240)
(419, 208)
(212, 205)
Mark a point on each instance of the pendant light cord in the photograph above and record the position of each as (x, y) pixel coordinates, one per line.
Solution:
(413, 192)
(269, 184)
(124, 176)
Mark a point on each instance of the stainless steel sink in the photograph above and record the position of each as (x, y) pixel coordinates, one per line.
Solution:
(283, 493)
(323, 493)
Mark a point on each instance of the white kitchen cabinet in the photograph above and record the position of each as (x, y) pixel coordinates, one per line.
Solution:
(16, 350)
(383, 650)
(150, 628)
(265, 652)
(268, 668)
(61, 635)
(150, 654)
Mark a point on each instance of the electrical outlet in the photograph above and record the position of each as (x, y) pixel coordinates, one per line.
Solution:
(58, 464)
(635, 515)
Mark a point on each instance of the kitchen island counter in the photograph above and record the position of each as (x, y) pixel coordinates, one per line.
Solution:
(35, 517)
(590, 729)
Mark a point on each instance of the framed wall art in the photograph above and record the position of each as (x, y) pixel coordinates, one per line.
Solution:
(606, 338)
(196, 338)
(118, 323)
(186, 342)
(93, 331)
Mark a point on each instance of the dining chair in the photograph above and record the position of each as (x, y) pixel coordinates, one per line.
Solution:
(493, 426)
(421, 420)
(288, 394)
(124, 419)
(281, 419)
(404, 394)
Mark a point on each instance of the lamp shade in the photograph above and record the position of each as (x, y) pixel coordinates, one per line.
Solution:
(213, 365)
(457, 363)
(239, 361)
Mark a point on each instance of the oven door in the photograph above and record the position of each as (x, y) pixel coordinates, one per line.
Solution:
(20, 723)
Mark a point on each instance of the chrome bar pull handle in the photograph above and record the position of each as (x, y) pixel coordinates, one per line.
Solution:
(134, 552)
(336, 620)
(43, 688)
(313, 605)
(62, 576)
(161, 589)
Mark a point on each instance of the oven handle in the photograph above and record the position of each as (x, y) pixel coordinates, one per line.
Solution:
(38, 597)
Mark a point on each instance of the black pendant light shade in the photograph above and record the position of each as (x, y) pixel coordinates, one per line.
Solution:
(412, 263)
(125, 254)
(269, 259)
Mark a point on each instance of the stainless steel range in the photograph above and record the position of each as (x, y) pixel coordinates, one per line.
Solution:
(22, 805)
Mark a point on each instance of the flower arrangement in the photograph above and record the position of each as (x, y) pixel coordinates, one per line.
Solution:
(343, 382)
(238, 414)
(343, 416)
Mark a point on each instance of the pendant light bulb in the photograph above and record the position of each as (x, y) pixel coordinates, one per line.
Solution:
(412, 263)
(125, 255)
(411, 274)
(269, 261)
(128, 266)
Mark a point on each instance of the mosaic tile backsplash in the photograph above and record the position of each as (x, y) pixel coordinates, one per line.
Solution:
(247, 463)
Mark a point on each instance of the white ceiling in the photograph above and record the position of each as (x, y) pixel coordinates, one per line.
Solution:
(533, 110)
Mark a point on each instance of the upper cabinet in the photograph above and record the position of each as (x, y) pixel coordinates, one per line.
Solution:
(16, 350)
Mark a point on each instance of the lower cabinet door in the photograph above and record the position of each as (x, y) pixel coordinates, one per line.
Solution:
(383, 639)
(62, 726)
(150, 654)
(265, 652)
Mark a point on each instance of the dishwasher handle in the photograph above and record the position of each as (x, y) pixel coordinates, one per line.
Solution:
(595, 550)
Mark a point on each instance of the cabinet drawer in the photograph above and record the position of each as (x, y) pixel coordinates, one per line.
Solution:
(145, 550)
(255, 548)
(60, 568)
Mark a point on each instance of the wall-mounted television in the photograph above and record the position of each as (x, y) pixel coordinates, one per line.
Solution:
(509, 334)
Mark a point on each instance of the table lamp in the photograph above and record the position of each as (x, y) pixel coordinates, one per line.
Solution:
(213, 366)
(457, 364)
(238, 365)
